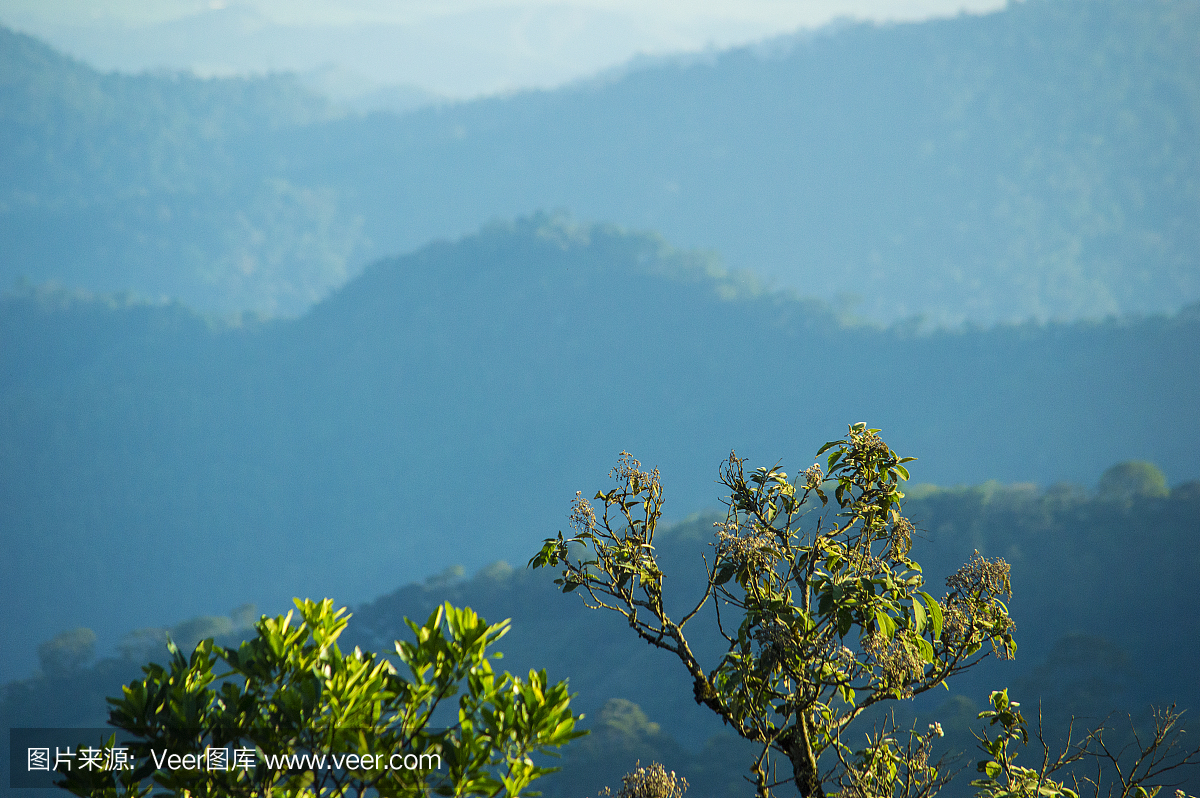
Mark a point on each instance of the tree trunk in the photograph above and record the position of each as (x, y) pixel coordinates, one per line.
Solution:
(804, 761)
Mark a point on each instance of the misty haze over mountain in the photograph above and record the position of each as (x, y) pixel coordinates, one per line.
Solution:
(455, 49)
(1034, 163)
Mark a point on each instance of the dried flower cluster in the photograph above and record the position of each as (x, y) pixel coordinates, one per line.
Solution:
(966, 622)
(898, 658)
(982, 577)
(813, 476)
(956, 623)
(629, 471)
(652, 782)
(755, 548)
(863, 563)
(972, 610)
(919, 759)
(583, 517)
(866, 442)
(844, 659)
(777, 642)
(900, 537)
(773, 634)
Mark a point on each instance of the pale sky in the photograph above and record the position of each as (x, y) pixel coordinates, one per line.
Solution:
(454, 48)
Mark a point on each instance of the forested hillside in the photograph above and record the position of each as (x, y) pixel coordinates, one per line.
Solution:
(1037, 162)
(444, 407)
(152, 183)
(1089, 567)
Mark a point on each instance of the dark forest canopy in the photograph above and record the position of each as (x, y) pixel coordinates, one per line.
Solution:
(1035, 162)
(153, 457)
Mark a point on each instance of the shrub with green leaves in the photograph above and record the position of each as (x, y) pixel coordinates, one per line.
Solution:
(314, 721)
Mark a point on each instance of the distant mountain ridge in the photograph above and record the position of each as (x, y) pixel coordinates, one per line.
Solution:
(73, 135)
(445, 406)
(1036, 162)
(153, 184)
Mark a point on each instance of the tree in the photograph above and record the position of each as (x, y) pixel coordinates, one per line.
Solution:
(293, 715)
(812, 588)
(67, 651)
(1133, 479)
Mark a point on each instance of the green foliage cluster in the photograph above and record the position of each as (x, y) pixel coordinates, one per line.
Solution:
(291, 691)
(1001, 777)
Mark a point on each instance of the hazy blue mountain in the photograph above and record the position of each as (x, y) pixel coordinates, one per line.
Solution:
(445, 406)
(1037, 162)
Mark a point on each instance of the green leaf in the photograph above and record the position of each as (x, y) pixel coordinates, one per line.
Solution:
(725, 573)
(935, 613)
(844, 621)
(918, 616)
(885, 624)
